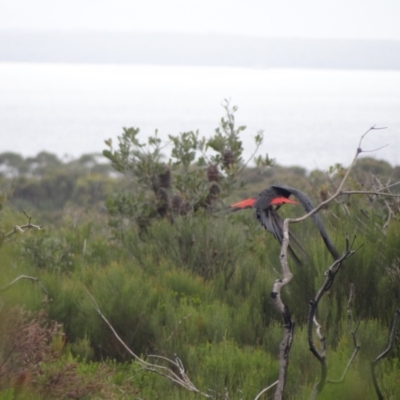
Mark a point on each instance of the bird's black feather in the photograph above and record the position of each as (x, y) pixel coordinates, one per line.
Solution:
(308, 206)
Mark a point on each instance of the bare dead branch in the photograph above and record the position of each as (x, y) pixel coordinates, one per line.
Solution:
(32, 278)
(352, 357)
(287, 276)
(182, 380)
(23, 228)
(384, 354)
(339, 191)
(266, 390)
(330, 276)
(321, 354)
(288, 324)
(391, 207)
(379, 148)
(375, 192)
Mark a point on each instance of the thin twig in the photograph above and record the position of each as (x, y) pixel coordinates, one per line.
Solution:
(32, 278)
(321, 355)
(22, 228)
(379, 148)
(339, 190)
(166, 372)
(375, 192)
(265, 390)
(384, 354)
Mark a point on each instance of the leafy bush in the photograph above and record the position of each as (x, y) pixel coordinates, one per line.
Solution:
(198, 173)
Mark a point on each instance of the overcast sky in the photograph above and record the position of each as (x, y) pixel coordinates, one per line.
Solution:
(346, 19)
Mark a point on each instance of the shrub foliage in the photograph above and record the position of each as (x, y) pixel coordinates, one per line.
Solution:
(176, 274)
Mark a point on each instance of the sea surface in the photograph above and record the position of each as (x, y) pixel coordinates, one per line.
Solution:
(310, 118)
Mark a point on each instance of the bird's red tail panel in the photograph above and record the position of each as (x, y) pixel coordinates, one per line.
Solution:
(244, 203)
(277, 201)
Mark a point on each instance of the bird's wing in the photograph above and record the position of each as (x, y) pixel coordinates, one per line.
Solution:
(306, 203)
(278, 201)
(250, 203)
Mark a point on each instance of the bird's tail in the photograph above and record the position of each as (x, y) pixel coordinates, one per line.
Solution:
(273, 223)
(294, 242)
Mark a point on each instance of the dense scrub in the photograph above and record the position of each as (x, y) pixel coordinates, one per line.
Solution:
(195, 284)
(200, 288)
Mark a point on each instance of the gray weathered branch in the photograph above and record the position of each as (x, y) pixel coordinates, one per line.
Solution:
(32, 278)
(287, 276)
(23, 228)
(181, 379)
(321, 354)
(288, 324)
(266, 390)
(339, 191)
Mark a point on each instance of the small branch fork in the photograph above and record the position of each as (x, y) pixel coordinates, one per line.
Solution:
(23, 228)
(312, 320)
(181, 379)
(340, 191)
(384, 354)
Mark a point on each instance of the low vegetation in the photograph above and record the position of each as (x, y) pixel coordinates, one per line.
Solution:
(191, 282)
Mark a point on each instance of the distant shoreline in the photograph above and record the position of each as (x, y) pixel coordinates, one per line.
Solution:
(211, 50)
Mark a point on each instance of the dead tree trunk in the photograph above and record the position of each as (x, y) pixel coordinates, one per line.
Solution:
(288, 324)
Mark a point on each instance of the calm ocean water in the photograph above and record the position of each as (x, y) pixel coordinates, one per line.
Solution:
(311, 118)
